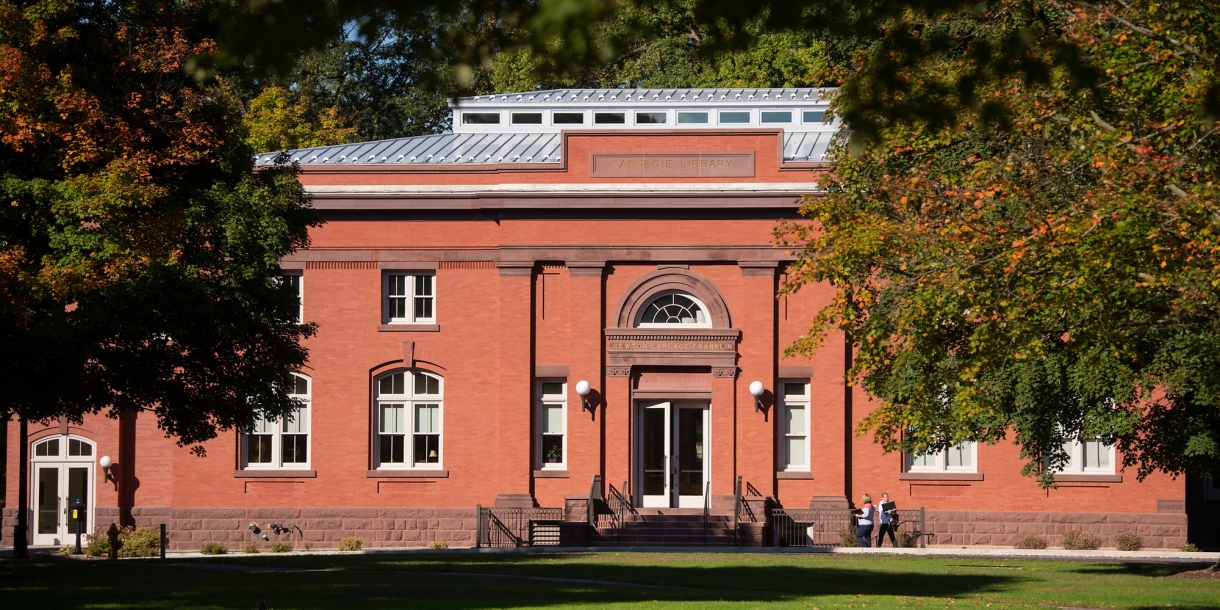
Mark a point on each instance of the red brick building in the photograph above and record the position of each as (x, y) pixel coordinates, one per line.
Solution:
(465, 284)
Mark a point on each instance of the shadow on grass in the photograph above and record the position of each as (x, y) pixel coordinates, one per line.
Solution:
(450, 581)
(1138, 569)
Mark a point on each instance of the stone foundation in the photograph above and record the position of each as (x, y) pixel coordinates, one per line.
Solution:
(996, 528)
(188, 528)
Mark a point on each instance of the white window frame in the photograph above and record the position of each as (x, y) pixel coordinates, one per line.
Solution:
(1076, 458)
(1211, 490)
(300, 279)
(409, 401)
(707, 314)
(275, 429)
(940, 460)
(412, 279)
(786, 402)
(540, 412)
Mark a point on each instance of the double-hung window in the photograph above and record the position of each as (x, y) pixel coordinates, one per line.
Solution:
(282, 442)
(958, 458)
(1090, 456)
(794, 424)
(410, 298)
(295, 283)
(552, 424)
(409, 411)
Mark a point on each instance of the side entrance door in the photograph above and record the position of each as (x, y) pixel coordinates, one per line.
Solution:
(672, 451)
(62, 473)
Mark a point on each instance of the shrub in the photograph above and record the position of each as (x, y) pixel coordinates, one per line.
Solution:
(308, 546)
(280, 547)
(1189, 548)
(1076, 540)
(908, 540)
(1031, 541)
(213, 548)
(250, 548)
(848, 538)
(66, 550)
(1127, 541)
(140, 542)
(351, 543)
(439, 544)
(96, 545)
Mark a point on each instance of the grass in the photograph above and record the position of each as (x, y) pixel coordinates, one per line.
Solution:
(470, 581)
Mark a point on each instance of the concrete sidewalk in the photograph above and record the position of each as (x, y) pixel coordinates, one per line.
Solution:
(978, 552)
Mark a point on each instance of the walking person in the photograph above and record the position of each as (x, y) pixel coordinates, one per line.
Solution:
(887, 512)
(864, 521)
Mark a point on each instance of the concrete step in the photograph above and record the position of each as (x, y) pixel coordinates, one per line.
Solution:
(630, 540)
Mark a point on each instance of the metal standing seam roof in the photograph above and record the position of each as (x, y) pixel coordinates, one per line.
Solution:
(804, 139)
(499, 148)
(671, 96)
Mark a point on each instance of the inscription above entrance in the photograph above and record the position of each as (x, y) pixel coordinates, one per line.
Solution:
(713, 347)
(672, 165)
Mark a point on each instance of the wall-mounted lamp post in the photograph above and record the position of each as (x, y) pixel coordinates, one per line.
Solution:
(583, 389)
(756, 390)
(107, 473)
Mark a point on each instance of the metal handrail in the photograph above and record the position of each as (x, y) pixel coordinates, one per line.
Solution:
(595, 496)
(707, 505)
(736, 508)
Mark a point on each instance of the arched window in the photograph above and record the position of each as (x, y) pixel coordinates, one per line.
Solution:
(282, 443)
(409, 410)
(674, 309)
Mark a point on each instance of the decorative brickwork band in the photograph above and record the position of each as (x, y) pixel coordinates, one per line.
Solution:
(724, 372)
(618, 371)
(467, 265)
(340, 265)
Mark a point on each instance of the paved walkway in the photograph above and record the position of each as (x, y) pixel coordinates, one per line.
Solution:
(1155, 555)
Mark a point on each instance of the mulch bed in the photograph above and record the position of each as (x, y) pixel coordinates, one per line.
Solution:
(1209, 573)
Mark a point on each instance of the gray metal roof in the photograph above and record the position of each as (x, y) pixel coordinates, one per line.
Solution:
(671, 96)
(480, 148)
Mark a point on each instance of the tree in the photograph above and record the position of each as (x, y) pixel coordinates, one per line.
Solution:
(139, 246)
(273, 122)
(1055, 278)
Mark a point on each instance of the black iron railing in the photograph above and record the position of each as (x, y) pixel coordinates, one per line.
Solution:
(517, 527)
(736, 509)
(619, 504)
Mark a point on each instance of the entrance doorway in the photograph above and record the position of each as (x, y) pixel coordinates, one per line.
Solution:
(62, 473)
(673, 456)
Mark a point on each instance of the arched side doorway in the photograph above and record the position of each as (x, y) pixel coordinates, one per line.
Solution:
(62, 473)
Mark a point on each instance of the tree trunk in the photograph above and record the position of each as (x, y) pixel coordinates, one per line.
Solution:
(20, 530)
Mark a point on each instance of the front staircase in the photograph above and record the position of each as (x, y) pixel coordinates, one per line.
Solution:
(665, 527)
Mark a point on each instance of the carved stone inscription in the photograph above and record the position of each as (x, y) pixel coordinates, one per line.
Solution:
(695, 347)
(672, 165)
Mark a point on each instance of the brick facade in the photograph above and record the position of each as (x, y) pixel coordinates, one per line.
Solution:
(523, 289)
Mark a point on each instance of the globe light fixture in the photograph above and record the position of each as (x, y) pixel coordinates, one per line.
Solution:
(756, 390)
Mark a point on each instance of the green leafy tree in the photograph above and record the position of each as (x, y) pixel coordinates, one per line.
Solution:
(274, 122)
(139, 247)
(1053, 279)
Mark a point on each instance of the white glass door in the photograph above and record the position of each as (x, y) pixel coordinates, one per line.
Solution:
(61, 473)
(690, 450)
(654, 455)
(673, 456)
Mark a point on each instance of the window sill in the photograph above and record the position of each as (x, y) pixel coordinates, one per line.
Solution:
(794, 474)
(551, 474)
(408, 328)
(1088, 478)
(940, 476)
(275, 474)
(407, 474)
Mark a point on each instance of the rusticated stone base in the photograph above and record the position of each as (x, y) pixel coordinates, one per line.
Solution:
(188, 528)
(997, 528)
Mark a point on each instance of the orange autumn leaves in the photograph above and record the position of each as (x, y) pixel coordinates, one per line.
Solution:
(1038, 265)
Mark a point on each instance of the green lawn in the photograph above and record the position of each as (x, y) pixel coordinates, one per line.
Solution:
(445, 580)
